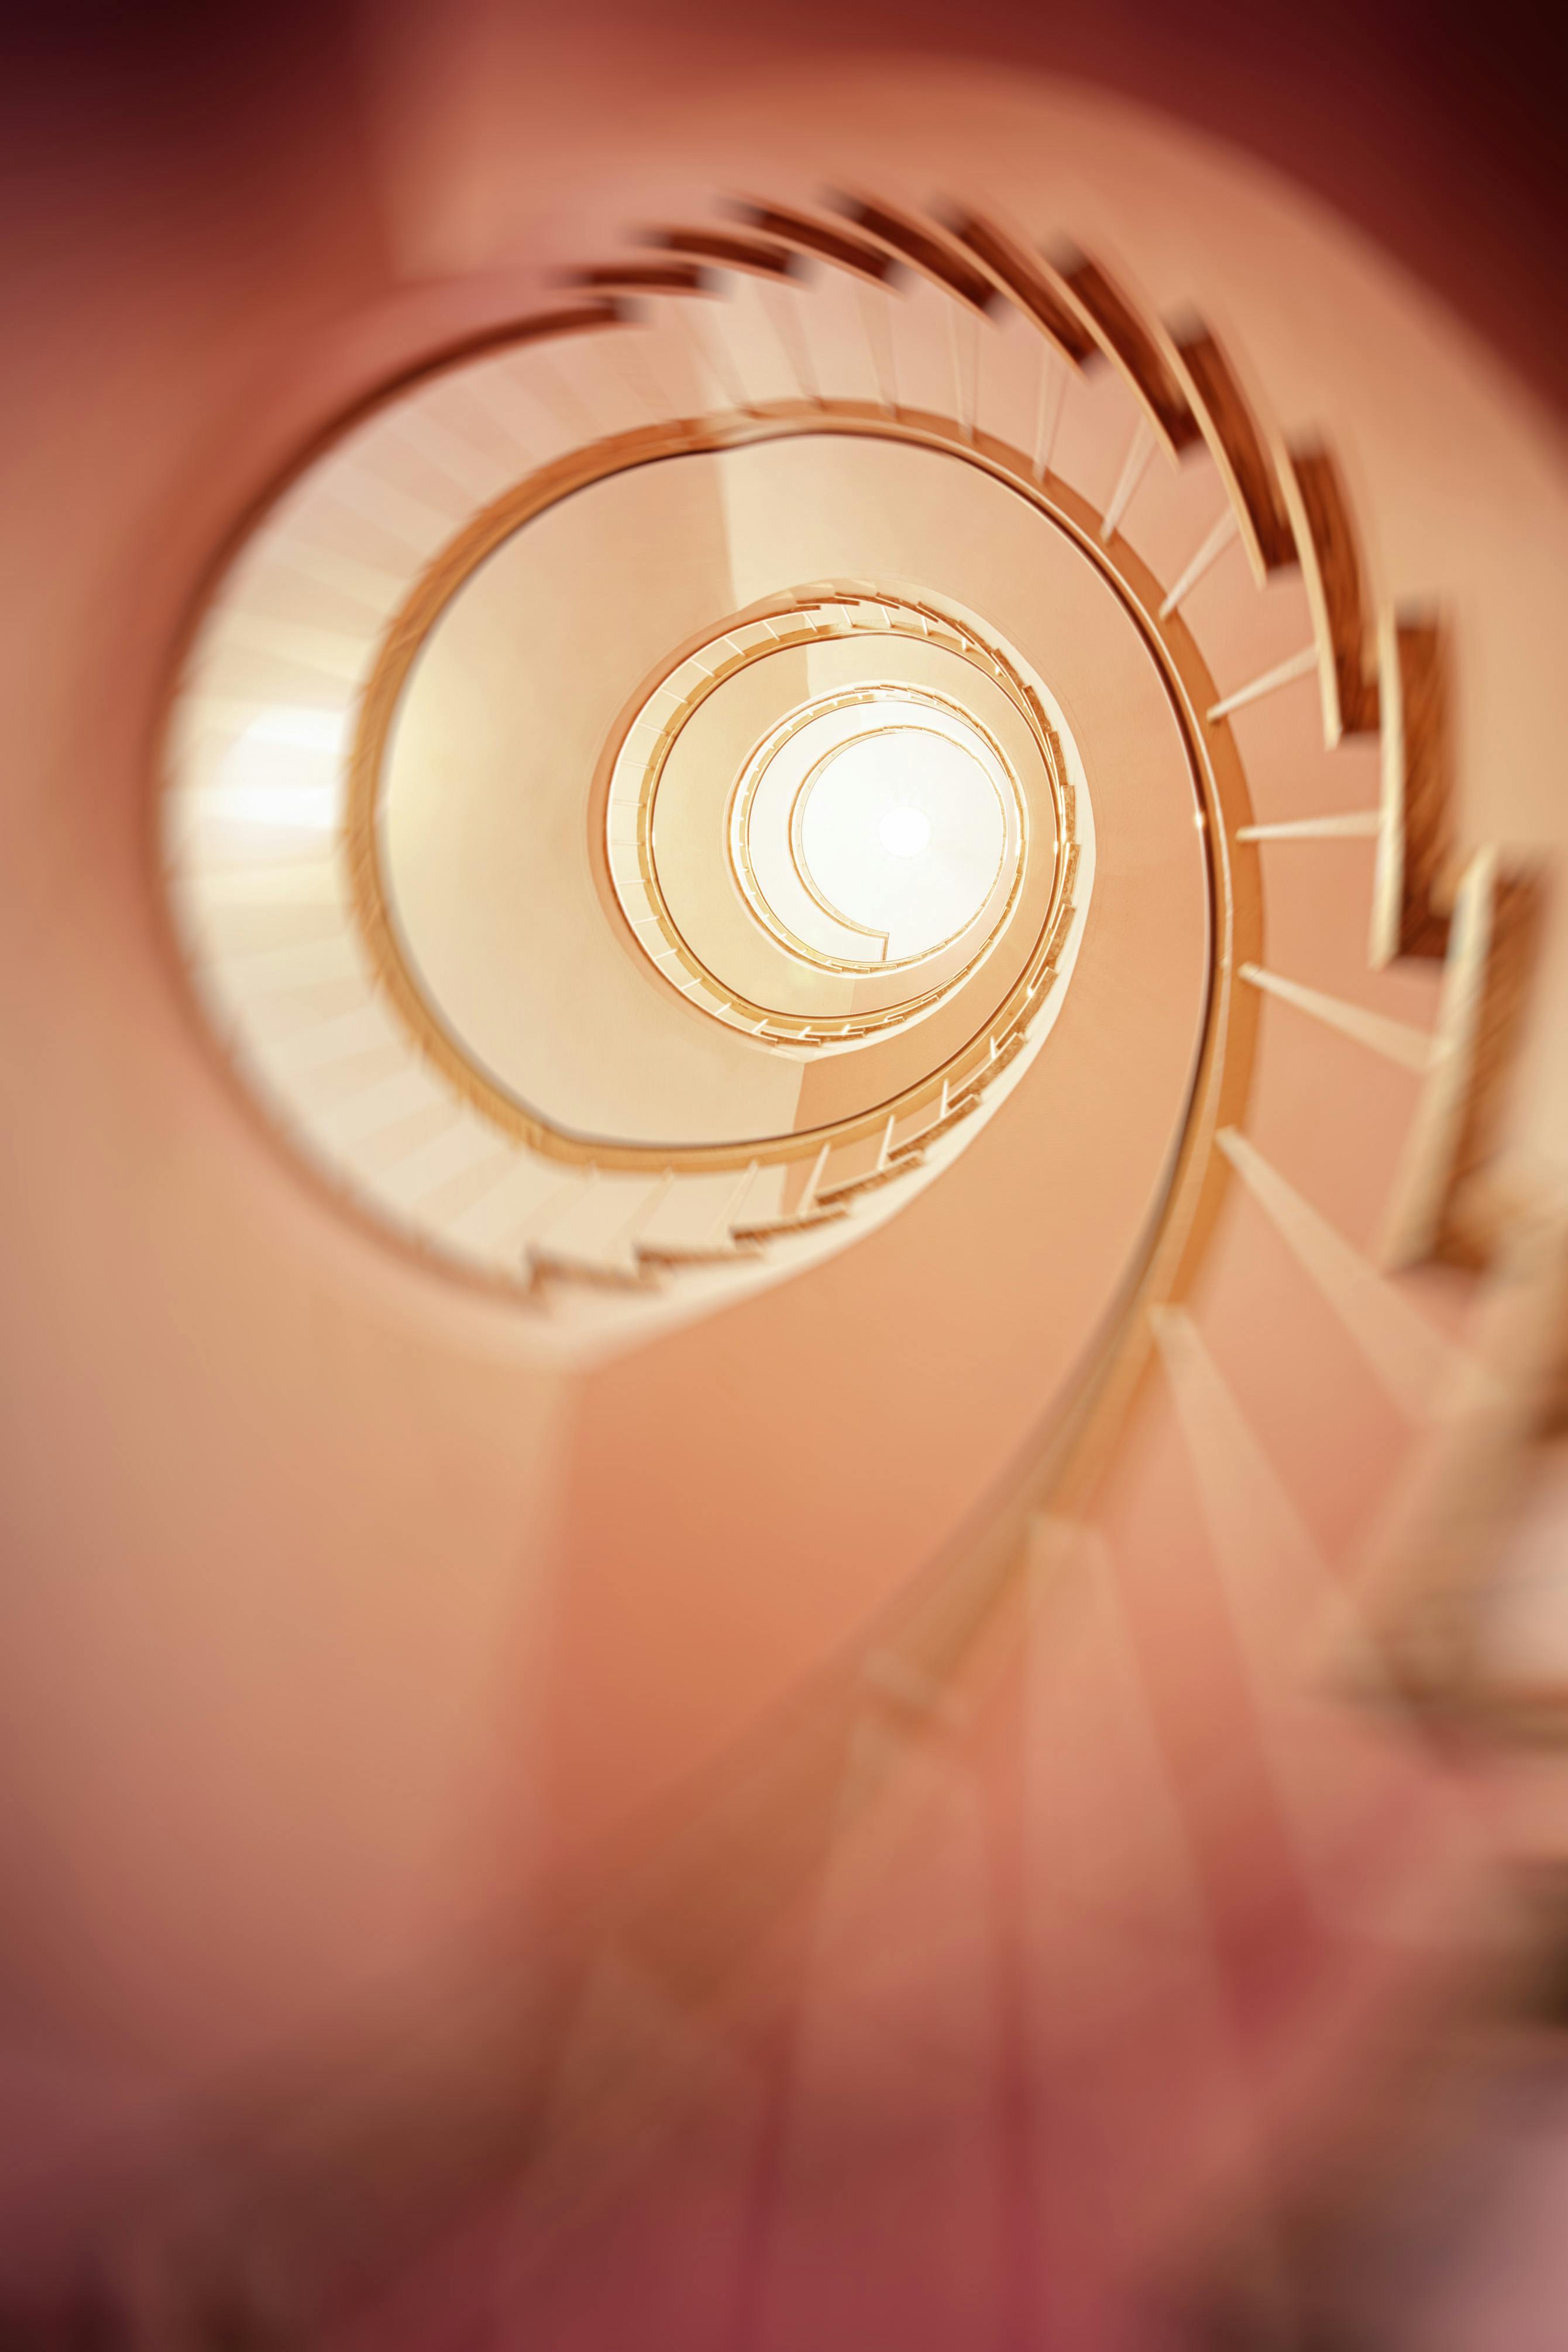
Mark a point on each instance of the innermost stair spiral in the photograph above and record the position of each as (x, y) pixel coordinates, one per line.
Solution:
(876, 828)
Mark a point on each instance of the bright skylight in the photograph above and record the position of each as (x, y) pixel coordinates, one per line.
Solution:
(905, 832)
(902, 830)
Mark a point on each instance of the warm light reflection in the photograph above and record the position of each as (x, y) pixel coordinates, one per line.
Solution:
(902, 830)
(284, 769)
(878, 827)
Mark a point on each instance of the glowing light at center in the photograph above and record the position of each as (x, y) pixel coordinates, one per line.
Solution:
(902, 829)
(875, 826)
(905, 832)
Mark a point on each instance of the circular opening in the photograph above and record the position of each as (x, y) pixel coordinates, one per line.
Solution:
(901, 833)
(716, 771)
(876, 828)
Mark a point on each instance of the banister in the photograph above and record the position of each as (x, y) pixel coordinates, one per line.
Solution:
(1332, 571)
(1239, 448)
(935, 256)
(642, 276)
(829, 241)
(758, 256)
(1028, 284)
(1491, 951)
(1415, 821)
(1137, 347)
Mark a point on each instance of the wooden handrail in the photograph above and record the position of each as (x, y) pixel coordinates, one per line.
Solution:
(1461, 1235)
(757, 255)
(826, 240)
(1491, 949)
(545, 327)
(642, 276)
(1126, 336)
(934, 256)
(1330, 567)
(1031, 287)
(1239, 450)
(1415, 823)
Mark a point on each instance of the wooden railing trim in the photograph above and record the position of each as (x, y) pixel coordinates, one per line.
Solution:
(1138, 347)
(1414, 844)
(1332, 569)
(825, 240)
(1513, 947)
(934, 255)
(1238, 447)
(1459, 1126)
(719, 248)
(1025, 281)
(543, 327)
(642, 278)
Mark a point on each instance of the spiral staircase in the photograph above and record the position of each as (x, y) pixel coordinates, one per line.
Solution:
(1091, 1941)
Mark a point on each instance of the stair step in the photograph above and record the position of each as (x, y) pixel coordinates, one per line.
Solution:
(777, 1228)
(851, 1191)
(551, 1266)
(1014, 1046)
(670, 1257)
(909, 1152)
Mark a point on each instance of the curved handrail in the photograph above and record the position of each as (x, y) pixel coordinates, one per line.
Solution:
(924, 248)
(1137, 343)
(1031, 286)
(760, 256)
(377, 707)
(1330, 565)
(932, 1630)
(1412, 885)
(1239, 448)
(823, 240)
